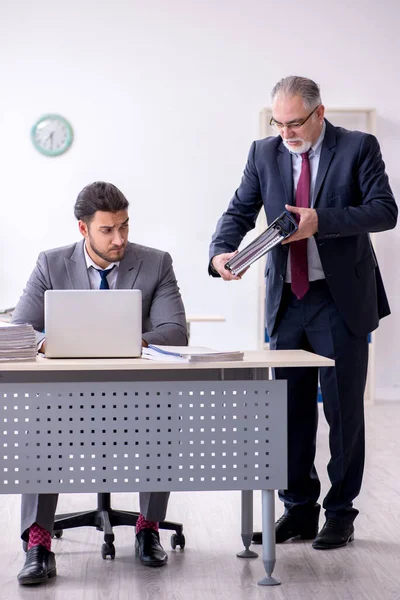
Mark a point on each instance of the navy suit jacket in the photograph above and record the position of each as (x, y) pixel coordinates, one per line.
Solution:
(352, 199)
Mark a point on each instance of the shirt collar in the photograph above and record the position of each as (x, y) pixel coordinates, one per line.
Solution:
(91, 263)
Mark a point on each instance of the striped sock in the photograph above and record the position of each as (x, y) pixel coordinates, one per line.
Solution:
(141, 523)
(39, 537)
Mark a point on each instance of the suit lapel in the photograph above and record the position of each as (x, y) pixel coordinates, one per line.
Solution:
(129, 268)
(285, 168)
(77, 269)
(327, 153)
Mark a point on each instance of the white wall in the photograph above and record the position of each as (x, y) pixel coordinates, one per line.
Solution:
(164, 99)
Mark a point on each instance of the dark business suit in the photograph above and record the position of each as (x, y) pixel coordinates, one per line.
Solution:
(163, 322)
(352, 198)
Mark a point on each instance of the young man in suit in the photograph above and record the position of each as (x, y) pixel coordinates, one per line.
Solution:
(324, 291)
(103, 258)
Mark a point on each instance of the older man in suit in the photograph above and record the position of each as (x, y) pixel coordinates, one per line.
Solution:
(324, 290)
(104, 258)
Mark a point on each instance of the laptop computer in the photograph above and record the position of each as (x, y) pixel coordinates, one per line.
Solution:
(93, 323)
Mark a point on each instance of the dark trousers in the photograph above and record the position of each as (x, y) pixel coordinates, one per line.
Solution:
(315, 324)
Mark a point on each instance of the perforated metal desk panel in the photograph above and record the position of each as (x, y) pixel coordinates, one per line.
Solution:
(145, 436)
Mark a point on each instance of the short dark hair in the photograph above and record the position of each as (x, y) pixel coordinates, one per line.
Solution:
(99, 195)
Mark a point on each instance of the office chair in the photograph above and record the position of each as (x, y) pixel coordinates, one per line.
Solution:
(104, 518)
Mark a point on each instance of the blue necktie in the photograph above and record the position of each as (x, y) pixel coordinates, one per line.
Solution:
(103, 274)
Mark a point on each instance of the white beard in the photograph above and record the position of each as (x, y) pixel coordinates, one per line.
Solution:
(304, 147)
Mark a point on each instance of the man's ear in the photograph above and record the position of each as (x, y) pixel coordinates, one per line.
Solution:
(83, 228)
(321, 112)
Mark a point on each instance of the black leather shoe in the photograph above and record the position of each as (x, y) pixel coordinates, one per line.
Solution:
(290, 526)
(40, 565)
(149, 549)
(336, 533)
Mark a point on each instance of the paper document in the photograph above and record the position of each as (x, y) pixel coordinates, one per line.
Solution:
(189, 354)
(275, 233)
(17, 342)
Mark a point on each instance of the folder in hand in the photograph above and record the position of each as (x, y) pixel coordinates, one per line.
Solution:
(279, 230)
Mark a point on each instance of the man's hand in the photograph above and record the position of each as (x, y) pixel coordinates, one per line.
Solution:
(42, 349)
(308, 223)
(219, 261)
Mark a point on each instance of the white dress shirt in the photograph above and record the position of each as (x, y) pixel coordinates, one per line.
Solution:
(95, 277)
(315, 270)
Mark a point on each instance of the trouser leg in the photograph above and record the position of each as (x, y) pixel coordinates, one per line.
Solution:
(153, 505)
(342, 389)
(303, 488)
(37, 508)
(343, 396)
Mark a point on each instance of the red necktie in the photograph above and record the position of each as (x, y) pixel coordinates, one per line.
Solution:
(298, 250)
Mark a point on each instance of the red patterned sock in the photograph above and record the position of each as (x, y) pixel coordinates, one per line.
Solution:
(39, 537)
(141, 523)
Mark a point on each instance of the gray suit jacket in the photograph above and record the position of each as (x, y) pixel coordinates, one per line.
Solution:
(142, 268)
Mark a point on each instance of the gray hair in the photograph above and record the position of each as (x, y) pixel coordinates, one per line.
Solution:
(307, 89)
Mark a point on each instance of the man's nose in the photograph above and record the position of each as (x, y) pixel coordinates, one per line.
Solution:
(287, 132)
(117, 239)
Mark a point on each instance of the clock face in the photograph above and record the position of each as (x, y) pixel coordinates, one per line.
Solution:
(52, 135)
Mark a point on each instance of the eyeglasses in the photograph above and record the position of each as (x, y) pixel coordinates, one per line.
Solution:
(292, 125)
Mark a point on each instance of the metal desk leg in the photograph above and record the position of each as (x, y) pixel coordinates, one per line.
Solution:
(247, 524)
(268, 535)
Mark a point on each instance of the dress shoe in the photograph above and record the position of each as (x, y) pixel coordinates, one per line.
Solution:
(40, 565)
(336, 533)
(289, 526)
(149, 549)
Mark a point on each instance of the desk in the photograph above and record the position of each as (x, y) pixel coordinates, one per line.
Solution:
(136, 425)
(5, 315)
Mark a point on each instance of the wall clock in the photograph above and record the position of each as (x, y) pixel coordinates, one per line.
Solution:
(52, 135)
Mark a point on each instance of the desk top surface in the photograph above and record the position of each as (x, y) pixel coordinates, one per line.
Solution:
(253, 359)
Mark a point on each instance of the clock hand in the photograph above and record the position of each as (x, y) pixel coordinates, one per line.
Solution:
(50, 138)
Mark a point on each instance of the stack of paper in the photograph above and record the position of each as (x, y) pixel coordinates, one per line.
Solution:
(17, 342)
(189, 354)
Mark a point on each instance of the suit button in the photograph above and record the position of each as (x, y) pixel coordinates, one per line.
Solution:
(281, 277)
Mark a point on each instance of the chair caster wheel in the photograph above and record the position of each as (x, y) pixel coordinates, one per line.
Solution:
(57, 534)
(108, 550)
(177, 540)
